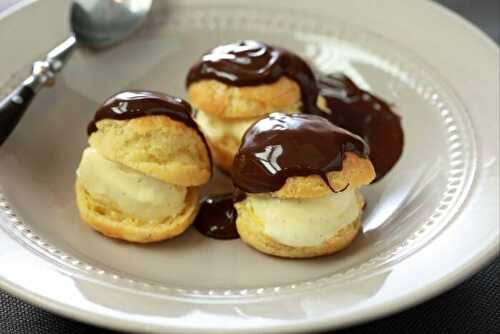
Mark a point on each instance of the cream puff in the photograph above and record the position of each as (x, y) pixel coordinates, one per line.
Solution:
(138, 180)
(234, 85)
(301, 177)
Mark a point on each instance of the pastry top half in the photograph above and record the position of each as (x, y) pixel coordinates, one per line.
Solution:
(221, 100)
(300, 156)
(248, 79)
(154, 134)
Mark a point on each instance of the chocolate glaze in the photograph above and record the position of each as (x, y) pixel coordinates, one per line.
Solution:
(251, 63)
(367, 116)
(285, 145)
(248, 63)
(217, 217)
(133, 104)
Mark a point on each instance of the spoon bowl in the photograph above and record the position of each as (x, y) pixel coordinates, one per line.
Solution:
(98, 23)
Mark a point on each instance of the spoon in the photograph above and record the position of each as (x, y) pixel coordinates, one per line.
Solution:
(95, 24)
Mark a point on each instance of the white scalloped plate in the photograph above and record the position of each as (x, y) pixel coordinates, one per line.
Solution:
(432, 222)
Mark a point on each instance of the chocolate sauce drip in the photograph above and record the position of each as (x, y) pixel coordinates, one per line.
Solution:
(367, 116)
(252, 63)
(285, 145)
(134, 104)
(217, 217)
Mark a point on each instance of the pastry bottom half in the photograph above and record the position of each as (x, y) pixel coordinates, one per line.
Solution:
(116, 224)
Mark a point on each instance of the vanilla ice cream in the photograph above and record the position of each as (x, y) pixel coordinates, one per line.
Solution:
(217, 128)
(305, 222)
(128, 190)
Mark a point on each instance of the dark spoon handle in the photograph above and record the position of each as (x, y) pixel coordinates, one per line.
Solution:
(12, 108)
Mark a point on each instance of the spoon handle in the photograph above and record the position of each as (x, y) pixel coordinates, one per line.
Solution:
(12, 109)
(43, 73)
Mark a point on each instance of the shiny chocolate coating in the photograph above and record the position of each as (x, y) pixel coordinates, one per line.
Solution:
(134, 104)
(217, 217)
(366, 115)
(286, 145)
(252, 63)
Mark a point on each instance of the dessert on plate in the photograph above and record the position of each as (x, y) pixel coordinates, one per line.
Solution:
(298, 146)
(234, 85)
(138, 180)
(300, 176)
